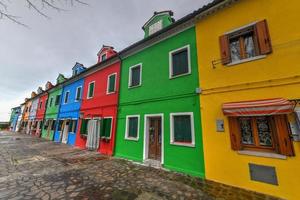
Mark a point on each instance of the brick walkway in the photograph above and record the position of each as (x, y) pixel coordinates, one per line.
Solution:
(34, 168)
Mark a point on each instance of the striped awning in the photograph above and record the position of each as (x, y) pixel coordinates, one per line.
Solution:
(258, 107)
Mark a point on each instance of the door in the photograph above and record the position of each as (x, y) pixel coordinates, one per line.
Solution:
(65, 132)
(154, 138)
(93, 136)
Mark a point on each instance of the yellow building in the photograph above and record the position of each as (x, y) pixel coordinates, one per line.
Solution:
(248, 53)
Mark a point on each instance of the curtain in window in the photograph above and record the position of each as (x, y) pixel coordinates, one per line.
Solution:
(133, 126)
(135, 76)
(249, 46)
(182, 129)
(235, 50)
(93, 136)
(180, 62)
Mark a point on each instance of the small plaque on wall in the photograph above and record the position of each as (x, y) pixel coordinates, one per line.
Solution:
(261, 173)
(220, 125)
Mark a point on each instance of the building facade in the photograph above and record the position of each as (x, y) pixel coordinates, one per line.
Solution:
(70, 102)
(100, 104)
(14, 117)
(250, 87)
(53, 104)
(158, 101)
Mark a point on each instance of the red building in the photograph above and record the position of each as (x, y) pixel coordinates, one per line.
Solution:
(99, 105)
(41, 109)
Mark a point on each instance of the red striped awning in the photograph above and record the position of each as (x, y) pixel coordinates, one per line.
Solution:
(258, 107)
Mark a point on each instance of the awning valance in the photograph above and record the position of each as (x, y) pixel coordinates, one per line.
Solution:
(258, 107)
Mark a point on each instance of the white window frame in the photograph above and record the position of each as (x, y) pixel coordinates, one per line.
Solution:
(103, 55)
(127, 126)
(107, 87)
(130, 75)
(66, 96)
(111, 126)
(87, 95)
(74, 119)
(153, 28)
(172, 140)
(171, 61)
(76, 100)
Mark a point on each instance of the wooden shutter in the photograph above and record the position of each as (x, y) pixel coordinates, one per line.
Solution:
(235, 136)
(284, 135)
(224, 48)
(83, 126)
(263, 37)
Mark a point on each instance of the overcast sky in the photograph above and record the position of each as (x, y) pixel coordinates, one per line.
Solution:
(31, 57)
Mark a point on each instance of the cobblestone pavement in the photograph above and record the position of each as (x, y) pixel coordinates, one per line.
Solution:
(34, 168)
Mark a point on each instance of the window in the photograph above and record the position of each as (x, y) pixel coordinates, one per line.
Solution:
(46, 124)
(91, 90)
(103, 57)
(106, 128)
(41, 105)
(182, 129)
(57, 100)
(261, 133)
(78, 93)
(135, 75)
(111, 83)
(53, 125)
(66, 97)
(245, 43)
(51, 101)
(60, 124)
(72, 126)
(83, 128)
(180, 62)
(132, 127)
(155, 27)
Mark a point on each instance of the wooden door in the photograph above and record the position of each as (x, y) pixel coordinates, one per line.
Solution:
(154, 138)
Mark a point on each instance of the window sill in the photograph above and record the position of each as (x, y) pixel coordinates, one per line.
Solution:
(246, 60)
(262, 154)
(108, 93)
(183, 144)
(177, 76)
(131, 87)
(132, 139)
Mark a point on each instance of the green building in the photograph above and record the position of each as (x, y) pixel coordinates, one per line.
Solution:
(53, 103)
(158, 117)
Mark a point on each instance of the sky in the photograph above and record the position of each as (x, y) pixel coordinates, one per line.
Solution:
(29, 57)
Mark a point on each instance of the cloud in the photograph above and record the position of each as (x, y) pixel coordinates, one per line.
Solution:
(31, 57)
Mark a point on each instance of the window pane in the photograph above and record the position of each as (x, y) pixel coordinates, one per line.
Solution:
(78, 94)
(103, 57)
(74, 125)
(264, 131)
(235, 49)
(53, 125)
(182, 128)
(249, 46)
(135, 76)
(246, 130)
(66, 97)
(106, 127)
(57, 100)
(133, 127)
(180, 62)
(111, 86)
(91, 89)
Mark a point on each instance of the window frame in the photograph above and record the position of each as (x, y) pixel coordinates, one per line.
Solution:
(171, 61)
(80, 97)
(67, 92)
(172, 139)
(127, 127)
(111, 126)
(41, 105)
(108, 83)
(101, 56)
(153, 30)
(130, 75)
(59, 99)
(51, 101)
(87, 96)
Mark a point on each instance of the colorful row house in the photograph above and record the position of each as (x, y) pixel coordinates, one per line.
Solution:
(52, 109)
(68, 112)
(250, 80)
(14, 117)
(99, 106)
(158, 117)
(213, 95)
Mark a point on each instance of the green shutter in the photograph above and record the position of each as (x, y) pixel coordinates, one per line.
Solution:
(182, 128)
(112, 81)
(83, 128)
(133, 127)
(180, 62)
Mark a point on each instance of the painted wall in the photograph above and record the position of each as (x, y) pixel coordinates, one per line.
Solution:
(20, 118)
(69, 110)
(27, 110)
(101, 105)
(277, 75)
(160, 94)
(15, 114)
(52, 111)
(40, 113)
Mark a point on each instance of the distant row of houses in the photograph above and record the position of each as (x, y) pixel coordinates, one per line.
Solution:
(214, 94)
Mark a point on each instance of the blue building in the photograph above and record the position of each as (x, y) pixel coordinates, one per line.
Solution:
(15, 115)
(69, 107)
